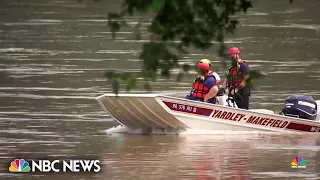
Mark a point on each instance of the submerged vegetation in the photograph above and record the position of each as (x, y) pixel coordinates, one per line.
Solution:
(175, 26)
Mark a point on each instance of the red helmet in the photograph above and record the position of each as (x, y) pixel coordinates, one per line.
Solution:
(204, 66)
(234, 50)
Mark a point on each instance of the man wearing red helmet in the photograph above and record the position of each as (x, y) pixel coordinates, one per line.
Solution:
(204, 87)
(237, 75)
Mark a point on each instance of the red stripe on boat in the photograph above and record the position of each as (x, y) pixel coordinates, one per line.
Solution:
(188, 108)
(303, 127)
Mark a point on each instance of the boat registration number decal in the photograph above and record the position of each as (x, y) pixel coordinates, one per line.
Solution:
(188, 109)
(315, 129)
(227, 115)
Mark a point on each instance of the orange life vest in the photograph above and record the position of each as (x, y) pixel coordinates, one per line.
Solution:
(199, 89)
(234, 76)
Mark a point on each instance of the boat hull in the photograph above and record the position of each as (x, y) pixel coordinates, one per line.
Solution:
(153, 112)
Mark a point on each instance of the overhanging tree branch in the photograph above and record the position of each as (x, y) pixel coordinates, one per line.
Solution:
(194, 23)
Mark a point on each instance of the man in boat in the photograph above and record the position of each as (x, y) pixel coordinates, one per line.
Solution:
(216, 76)
(237, 76)
(205, 86)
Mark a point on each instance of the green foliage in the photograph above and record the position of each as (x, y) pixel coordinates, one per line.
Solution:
(195, 23)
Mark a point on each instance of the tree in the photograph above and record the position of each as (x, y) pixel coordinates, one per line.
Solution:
(176, 25)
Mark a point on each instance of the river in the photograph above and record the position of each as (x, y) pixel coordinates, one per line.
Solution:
(53, 54)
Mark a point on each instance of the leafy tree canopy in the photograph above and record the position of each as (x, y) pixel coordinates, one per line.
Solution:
(175, 26)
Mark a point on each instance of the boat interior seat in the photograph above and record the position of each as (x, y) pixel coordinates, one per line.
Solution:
(318, 109)
(318, 105)
(266, 111)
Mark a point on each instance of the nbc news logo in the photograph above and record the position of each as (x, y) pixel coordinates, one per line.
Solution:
(21, 165)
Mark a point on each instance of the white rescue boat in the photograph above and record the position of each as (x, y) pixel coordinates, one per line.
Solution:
(160, 112)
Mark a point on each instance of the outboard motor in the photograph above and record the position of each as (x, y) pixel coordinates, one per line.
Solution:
(300, 106)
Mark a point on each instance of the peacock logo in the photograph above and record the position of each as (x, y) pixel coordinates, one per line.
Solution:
(298, 162)
(19, 165)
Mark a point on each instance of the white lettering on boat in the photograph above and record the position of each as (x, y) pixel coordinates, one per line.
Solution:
(307, 104)
(184, 107)
(174, 106)
(189, 108)
(267, 122)
(228, 115)
(315, 129)
(194, 109)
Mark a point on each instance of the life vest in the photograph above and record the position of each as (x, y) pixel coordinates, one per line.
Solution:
(199, 89)
(235, 76)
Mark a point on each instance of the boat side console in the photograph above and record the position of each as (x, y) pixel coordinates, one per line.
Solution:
(226, 101)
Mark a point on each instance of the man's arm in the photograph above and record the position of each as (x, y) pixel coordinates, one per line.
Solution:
(244, 68)
(212, 85)
(224, 85)
(212, 93)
